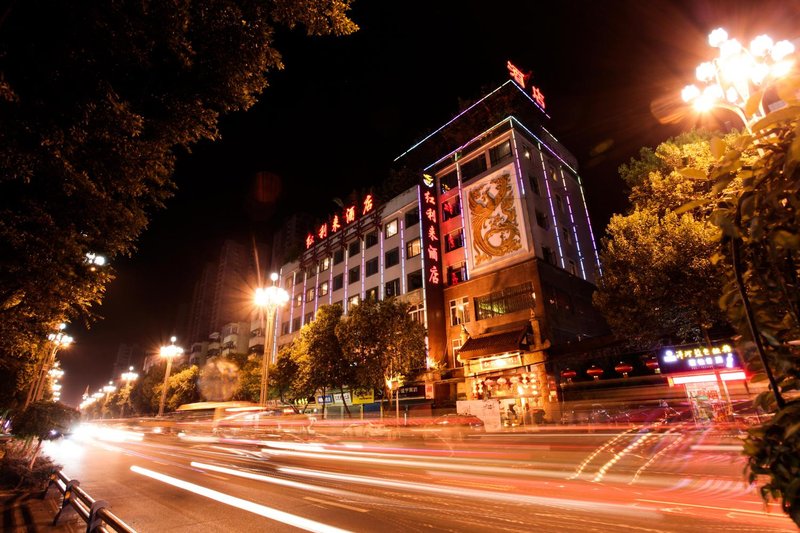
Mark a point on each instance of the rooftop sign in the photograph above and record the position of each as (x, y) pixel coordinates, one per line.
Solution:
(350, 214)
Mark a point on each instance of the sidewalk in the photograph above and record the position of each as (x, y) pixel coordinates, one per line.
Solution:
(26, 512)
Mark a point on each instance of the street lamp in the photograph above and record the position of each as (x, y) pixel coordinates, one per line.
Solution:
(59, 340)
(268, 299)
(127, 377)
(169, 352)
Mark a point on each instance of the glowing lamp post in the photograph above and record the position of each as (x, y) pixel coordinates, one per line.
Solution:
(59, 340)
(169, 352)
(269, 300)
(128, 377)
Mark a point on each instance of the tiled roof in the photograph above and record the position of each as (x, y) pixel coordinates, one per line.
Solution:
(507, 341)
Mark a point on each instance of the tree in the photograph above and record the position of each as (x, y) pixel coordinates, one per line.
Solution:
(381, 341)
(96, 100)
(44, 420)
(181, 388)
(328, 364)
(659, 280)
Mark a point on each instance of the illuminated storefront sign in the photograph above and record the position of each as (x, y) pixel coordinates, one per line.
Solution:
(520, 77)
(430, 233)
(338, 221)
(502, 362)
(698, 358)
(432, 275)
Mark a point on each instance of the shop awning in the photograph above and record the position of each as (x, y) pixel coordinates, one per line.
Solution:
(514, 340)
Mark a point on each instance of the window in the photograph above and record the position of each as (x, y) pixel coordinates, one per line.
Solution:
(353, 301)
(325, 264)
(285, 328)
(567, 235)
(354, 274)
(371, 239)
(296, 324)
(323, 288)
(371, 267)
(456, 273)
(559, 204)
(372, 295)
(392, 257)
(338, 282)
(448, 181)
(451, 208)
(535, 184)
(504, 301)
(412, 217)
(572, 269)
(473, 167)
(309, 318)
(549, 255)
(415, 280)
(287, 282)
(339, 303)
(456, 349)
(417, 313)
(392, 288)
(298, 300)
(526, 151)
(541, 220)
(553, 171)
(391, 228)
(338, 257)
(453, 241)
(310, 294)
(413, 248)
(459, 311)
(354, 248)
(500, 153)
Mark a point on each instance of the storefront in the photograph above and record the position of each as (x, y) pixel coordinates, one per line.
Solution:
(712, 376)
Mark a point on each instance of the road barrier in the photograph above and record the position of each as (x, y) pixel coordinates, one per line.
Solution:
(94, 512)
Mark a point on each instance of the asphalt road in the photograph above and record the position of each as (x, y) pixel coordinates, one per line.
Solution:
(666, 479)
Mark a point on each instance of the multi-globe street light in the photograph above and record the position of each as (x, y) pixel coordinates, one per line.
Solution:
(269, 300)
(128, 377)
(58, 340)
(169, 352)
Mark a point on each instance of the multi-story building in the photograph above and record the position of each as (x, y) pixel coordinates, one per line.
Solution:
(494, 247)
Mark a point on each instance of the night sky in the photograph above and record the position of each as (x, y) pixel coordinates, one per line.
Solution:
(344, 108)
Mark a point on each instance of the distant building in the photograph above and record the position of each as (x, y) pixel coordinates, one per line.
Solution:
(127, 355)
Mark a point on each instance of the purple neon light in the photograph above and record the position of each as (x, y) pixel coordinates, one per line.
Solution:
(572, 222)
(552, 210)
(516, 160)
(463, 226)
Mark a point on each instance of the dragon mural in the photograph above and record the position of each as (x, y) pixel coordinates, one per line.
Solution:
(494, 220)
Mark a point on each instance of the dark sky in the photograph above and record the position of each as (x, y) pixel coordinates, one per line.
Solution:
(343, 108)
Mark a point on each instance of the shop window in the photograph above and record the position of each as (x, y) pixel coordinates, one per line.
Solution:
(392, 288)
(459, 311)
(451, 208)
(392, 257)
(391, 228)
(505, 301)
(453, 241)
(354, 274)
(338, 282)
(371, 239)
(415, 280)
(413, 248)
(500, 153)
(412, 217)
(371, 267)
(448, 182)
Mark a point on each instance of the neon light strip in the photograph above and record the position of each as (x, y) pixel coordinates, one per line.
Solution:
(467, 143)
(291, 304)
(463, 225)
(363, 276)
(516, 160)
(382, 264)
(303, 298)
(589, 223)
(346, 278)
(704, 378)
(402, 222)
(552, 210)
(453, 120)
(552, 152)
(330, 283)
(316, 290)
(529, 97)
(574, 226)
(246, 505)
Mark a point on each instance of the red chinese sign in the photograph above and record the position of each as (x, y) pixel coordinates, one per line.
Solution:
(520, 77)
(430, 233)
(339, 220)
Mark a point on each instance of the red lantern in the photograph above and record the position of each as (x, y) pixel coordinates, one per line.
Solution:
(652, 364)
(568, 374)
(623, 368)
(595, 372)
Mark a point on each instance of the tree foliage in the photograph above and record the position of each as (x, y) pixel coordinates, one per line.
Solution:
(96, 101)
(43, 420)
(325, 354)
(658, 278)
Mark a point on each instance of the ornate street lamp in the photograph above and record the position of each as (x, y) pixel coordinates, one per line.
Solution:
(169, 352)
(128, 377)
(59, 340)
(269, 300)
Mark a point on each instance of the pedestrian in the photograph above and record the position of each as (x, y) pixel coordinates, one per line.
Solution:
(512, 415)
(528, 416)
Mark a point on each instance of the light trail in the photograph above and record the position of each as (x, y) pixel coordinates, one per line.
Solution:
(246, 505)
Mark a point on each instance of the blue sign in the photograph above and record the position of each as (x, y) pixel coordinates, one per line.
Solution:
(328, 398)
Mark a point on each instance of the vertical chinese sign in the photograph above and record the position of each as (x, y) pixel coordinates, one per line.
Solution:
(432, 270)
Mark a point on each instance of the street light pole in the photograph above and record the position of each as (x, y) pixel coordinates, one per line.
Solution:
(127, 377)
(268, 300)
(169, 352)
(59, 340)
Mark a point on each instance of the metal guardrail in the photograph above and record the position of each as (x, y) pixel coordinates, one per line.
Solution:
(94, 512)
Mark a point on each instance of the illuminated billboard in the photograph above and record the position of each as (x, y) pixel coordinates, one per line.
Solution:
(698, 358)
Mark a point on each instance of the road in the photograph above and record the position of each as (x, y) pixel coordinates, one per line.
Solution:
(642, 480)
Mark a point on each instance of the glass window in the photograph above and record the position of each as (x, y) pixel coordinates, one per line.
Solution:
(413, 248)
(298, 300)
(567, 235)
(296, 324)
(338, 257)
(451, 208)
(572, 268)
(417, 313)
(392, 288)
(354, 248)
(415, 280)
(412, 217)
(504, 301)
(353, 301)
(448, 181)
(459, 311)
(354, 274)
(309, 318)
(338, 282)
(473, 167)
(325, 264)
(391, 228)
(456, 273)
(548, 255)
(456, 349)
(372, 295)
(541, 220)
(285, 328)
(392, 257)
(371, 239)
(453, 241)
(287, 282)
(534, 184)
(500, 153)
(371, 267)
(559, 204)
(310, 294)
(323, 288)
